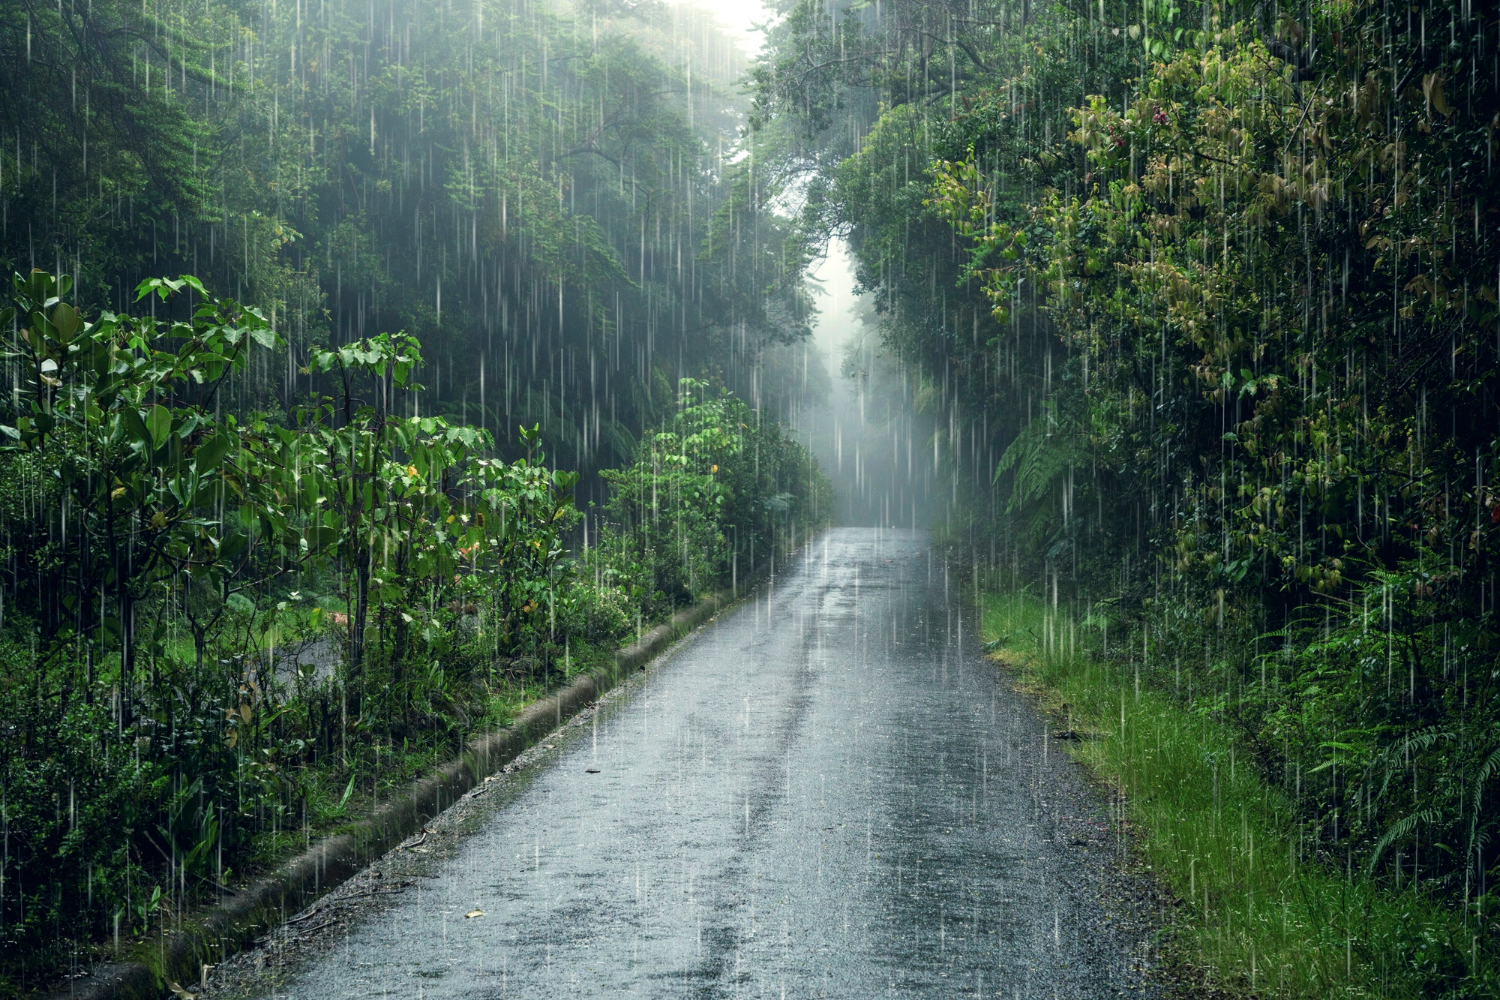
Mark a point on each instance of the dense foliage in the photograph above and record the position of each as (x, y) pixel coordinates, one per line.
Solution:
(713, 485)
(261, 559)
(1209, 298)
(550, 195)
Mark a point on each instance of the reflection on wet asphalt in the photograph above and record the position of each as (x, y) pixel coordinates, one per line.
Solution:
(826, 793)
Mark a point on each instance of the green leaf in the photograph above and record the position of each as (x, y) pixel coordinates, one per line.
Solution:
(65, 320)
(184, 489)
(136, 427)
(321, 536)
(211, 452)
(159, 424)
(39, 333)
(234, 543)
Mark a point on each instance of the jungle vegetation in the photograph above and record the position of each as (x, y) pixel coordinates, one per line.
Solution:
(552, 197)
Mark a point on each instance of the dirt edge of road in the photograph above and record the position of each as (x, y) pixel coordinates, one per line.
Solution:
(173, 959)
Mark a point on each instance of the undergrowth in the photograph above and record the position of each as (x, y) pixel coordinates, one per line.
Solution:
(1262, 911)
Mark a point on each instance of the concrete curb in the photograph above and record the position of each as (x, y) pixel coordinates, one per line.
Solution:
(215, 932)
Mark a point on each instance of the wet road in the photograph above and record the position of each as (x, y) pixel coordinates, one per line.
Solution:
(826, 793)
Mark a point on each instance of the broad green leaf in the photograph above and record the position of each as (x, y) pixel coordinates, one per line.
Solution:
(66, 321)
(136, 427)
(211, 452)
(159, 424)
(233, 544)
(321, 536)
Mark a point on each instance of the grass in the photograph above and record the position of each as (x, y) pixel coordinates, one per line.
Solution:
(1261, 912)
(385, 770)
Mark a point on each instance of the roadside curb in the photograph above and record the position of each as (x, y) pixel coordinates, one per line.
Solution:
(214, 932)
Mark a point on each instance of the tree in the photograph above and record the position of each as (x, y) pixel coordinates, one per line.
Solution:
(404, 504)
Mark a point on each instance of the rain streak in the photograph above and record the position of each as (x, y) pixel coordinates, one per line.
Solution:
(793, 498)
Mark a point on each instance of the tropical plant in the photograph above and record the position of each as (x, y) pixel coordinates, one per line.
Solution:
(119, 415)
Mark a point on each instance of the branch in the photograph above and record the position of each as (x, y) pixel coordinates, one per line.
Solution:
(589, 148)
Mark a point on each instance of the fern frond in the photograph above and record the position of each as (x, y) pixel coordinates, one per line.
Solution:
(1479, 836)
(1040, 455)
(1399, 829)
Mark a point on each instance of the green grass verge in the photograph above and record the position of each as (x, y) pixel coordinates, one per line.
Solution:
(1261, 911)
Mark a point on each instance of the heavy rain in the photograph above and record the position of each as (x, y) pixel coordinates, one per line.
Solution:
(696, 498)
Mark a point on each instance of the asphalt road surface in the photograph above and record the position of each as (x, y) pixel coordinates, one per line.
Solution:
(828, 792)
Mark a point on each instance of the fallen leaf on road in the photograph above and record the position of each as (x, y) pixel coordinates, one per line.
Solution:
(473, 913)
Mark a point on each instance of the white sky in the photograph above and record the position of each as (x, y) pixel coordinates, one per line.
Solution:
(736, 16)
(834, 274)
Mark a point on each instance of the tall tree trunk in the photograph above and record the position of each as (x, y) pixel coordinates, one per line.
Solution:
(361, 610)
(126, 603)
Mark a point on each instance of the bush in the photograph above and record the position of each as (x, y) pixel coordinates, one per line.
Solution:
(710, 496)
(108, 824)
(599, 616)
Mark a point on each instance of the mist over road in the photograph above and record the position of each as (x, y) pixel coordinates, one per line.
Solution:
(826, 793)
